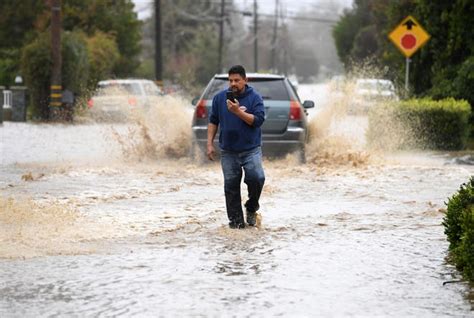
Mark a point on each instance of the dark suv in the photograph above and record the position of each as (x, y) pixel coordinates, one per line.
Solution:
(285, 127)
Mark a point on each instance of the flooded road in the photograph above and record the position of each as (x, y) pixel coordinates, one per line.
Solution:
(89, 227)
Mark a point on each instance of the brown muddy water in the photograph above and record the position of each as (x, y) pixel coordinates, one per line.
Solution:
(101, 219)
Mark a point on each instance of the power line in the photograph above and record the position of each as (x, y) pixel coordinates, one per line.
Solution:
(202, 17)
(291, 17)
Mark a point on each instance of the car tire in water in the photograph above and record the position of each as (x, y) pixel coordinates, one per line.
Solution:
(301, 155)
(196, 154)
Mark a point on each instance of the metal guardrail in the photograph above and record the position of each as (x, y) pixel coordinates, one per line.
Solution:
(7, 99)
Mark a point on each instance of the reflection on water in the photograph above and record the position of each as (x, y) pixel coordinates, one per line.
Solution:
(104, 234)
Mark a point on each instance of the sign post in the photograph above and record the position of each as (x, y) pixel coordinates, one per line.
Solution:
(408, 37)
(407, 72)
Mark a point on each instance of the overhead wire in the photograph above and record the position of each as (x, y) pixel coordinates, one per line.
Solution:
(291, 15)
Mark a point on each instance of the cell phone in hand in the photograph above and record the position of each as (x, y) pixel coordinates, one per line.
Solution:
(230, 96)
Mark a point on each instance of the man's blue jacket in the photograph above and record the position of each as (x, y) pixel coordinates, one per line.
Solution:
(235, 134)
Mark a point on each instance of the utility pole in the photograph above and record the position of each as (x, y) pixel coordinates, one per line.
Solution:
(221, 36)
(286, 47)
(158, 54)
(56, 83)
(275, 30)
(255, 31)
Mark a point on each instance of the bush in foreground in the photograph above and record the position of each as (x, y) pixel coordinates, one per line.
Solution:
(459, 228)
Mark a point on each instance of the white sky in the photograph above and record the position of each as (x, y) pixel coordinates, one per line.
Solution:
(144, 7)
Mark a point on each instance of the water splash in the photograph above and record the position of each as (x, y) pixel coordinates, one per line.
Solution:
(336, 138)
(31, 228)
(163, 131)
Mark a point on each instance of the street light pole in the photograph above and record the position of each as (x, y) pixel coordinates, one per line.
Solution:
(221, 36)
(158, 55)
(407, 74)
(255, 31)
(56, 83)
(275, 30)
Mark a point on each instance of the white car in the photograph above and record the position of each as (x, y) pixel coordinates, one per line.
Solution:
(371, 91)
(115, 99)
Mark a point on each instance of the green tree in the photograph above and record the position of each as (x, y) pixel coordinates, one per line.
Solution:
(36, 67)
(189, 42)
(344, 34)
(22, 21)
(346, 31)
(19, 21)
(365, 43)
(206, 47)
(114, 17)
(451, 45)
(103, 55)
(18, 24)
(8, 66)
(442, 68)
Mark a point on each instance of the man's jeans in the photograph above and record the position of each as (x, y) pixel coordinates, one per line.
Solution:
(232, 164)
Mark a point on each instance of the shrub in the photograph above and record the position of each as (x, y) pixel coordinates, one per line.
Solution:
(36, 67)
(459, 228)
(464, 82)
(420, 123)
(103, 56)
(75, 66)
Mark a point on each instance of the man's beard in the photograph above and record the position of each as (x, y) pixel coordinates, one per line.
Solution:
(237, 91)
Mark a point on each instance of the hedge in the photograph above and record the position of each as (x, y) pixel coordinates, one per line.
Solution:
(420, 124)
(459, 228)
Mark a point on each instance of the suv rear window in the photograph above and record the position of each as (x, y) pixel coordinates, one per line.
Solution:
(273, 89)
(118, 89)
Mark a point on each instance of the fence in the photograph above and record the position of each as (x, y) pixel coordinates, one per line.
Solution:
(7, 99)
(14, 103)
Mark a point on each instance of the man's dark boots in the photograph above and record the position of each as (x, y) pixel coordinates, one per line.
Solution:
(251, 218)
(236, 225)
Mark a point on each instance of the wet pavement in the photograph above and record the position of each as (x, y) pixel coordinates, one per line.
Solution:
(91, 227)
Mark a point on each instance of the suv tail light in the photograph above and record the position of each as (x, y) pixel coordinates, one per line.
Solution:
(295, 110)
(201, 111)
(132, 101)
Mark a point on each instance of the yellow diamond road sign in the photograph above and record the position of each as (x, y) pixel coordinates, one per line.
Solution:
(409, 36)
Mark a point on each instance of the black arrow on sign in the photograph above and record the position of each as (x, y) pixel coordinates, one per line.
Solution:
(409, 24)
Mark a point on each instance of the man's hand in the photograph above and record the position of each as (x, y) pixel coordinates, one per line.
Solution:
(233, 106)
(211, 133)
(211, 152)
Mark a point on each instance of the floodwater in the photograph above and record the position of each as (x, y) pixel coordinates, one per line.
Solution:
(98, 219)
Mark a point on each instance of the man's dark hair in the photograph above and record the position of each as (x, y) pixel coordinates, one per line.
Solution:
(238, 69)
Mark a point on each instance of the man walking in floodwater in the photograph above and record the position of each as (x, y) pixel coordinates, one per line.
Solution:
(239, 112)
